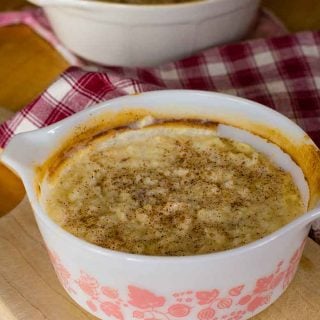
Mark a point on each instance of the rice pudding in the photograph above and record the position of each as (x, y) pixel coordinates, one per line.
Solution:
(171, 189)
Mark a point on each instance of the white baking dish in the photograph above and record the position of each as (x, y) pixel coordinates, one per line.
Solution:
(235, 284)
(146, 35)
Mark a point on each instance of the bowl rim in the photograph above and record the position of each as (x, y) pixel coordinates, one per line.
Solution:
(95, 4)
(98, 3)
(39, 211)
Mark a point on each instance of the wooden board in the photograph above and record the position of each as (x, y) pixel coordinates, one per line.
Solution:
(11, 190)
(29, 64)
(297, 15)
(29, 289)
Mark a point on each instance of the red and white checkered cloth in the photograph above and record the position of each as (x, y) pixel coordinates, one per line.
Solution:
(282, 73)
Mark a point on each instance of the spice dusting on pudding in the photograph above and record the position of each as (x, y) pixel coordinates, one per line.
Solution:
(171, 189)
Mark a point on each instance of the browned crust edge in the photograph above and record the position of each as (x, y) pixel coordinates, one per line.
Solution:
(304, 152)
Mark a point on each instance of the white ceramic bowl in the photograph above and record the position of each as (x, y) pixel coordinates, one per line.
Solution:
(234, 284)
(146, 35)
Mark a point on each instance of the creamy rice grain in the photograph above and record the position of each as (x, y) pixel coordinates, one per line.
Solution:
(173, 193)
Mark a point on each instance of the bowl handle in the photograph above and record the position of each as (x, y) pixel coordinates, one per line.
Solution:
(14, 154)
(23, 152)
(313, 215)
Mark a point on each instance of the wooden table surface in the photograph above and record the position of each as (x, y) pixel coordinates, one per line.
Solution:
(28, 65)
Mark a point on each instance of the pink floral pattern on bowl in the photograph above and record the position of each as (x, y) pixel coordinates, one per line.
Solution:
(238, 303)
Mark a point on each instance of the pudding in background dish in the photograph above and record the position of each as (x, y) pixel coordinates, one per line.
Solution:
(170, 189)
(146, 2)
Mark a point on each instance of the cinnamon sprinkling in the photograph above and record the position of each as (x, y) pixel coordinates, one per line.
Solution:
(173, 193)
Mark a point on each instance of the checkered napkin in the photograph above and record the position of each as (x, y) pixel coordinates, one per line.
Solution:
(282, 73)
